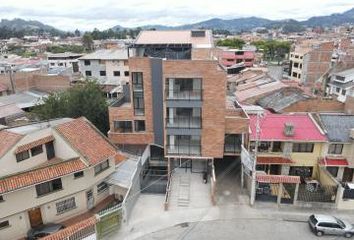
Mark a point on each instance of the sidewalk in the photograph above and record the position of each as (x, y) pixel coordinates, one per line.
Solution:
(148, 216)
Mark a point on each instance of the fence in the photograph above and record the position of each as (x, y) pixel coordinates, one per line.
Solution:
(109, 220)
(320, 194)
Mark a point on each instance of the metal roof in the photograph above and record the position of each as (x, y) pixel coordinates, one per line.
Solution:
(107, 54)
(338, 126)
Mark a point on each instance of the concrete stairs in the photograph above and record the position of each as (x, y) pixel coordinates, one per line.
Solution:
(184, 184)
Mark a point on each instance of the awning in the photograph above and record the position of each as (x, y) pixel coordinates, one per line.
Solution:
(334, 162)
(277, 178)
(273, 160)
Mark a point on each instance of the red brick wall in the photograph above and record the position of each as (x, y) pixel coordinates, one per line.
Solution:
(316, 105)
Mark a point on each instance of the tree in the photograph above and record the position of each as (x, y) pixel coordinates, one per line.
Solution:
(273, 49)
(77, 33)
(231, 43)
(82, 100)
(87, 41)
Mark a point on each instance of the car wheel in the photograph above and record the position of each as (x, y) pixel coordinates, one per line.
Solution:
(319, 233)
(347, 235)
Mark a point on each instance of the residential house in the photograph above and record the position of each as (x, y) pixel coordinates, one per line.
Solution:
(64, 60)
(341, 85)
(232, 57)
(51, 171)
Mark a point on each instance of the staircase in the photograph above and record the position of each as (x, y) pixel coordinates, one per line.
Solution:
(184, 190)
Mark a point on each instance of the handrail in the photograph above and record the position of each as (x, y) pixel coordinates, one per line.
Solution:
(168, 190)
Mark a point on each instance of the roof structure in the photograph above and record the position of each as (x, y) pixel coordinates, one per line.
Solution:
(85, 138)
(175, 37)
(272, 127)
(337, 126)
(272, 160)
(334, 162)
(39, 175)
(283, 98)
(10, 110)
(24, 99)
(8, 139)
(265, 178)
(107, 54)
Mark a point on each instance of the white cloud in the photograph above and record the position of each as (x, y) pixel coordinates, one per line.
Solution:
(87, 14)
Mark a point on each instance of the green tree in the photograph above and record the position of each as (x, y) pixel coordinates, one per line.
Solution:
(231, 43)
(87, 41)
(82, 100)
(273, 49)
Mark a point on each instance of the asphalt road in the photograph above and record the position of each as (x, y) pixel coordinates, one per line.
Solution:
(245, 229)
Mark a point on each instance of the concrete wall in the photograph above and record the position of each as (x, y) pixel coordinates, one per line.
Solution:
(315, 105)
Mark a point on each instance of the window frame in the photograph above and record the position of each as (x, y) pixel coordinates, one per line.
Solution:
(49, 187)
(79, 174)
(116, 73)
(99, 168)
(136, 126)
(336, 147)
(36, 150)
(18, 159)
(103, 73)
(6, 224)
(102, 188)
(303, 147)
(65, 205)
(87, 62)
(126, 73)
(88, 73)
(122, 126)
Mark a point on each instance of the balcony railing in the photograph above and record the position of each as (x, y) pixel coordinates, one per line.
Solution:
(184, 150)
(233, 149)
(192, 95)
(184, 122)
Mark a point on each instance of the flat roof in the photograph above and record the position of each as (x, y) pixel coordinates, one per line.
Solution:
(107, 54)
(24, 99)
(175, 37)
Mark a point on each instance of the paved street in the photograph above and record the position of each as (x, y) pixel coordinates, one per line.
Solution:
(245, 229)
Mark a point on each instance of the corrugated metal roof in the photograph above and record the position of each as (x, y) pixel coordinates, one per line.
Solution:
(337, 126)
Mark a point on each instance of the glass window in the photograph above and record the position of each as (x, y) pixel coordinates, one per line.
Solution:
(65, 205)
(139, 125)
(4, 224)
(276, 147)
(126, 73)
(87, 62)
(22, 156)
(1, 198)
(79, 174)
(138, 94)
(101, 167)
(116, 73)
(36, 150)
(335, 149)
(333, 171)
(48, 187)
(264, 146)
(102, 73)
(123, 126)
(102, 187)
(303, 147)
(88, 73)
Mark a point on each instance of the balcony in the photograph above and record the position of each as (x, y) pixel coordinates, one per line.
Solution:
(191, 95)
(232, 149)
(184, 122)
(190, 150)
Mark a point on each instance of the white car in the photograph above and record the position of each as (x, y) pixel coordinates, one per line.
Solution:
(325, 224)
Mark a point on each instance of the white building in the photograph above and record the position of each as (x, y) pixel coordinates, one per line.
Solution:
(108, 66)
(50, 172)
(64, 60)
(341, 84)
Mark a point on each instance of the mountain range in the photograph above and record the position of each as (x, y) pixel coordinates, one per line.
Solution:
(233, 25)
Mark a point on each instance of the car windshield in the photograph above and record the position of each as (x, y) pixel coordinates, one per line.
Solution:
(340, 223)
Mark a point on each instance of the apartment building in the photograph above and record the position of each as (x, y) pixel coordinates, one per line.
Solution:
(176, 99)
(308, 62)
(51, 171)
(288, 144)
(64, 60)
(108, 66)
(341, 85)
(232, 57)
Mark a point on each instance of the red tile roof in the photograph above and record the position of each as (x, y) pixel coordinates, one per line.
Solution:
(34, 143)
(85, 138)
(64, 234)
(272, 127)
(40, 175)
(8, 139)
(273, 160)
(277, 178)
(328, 161)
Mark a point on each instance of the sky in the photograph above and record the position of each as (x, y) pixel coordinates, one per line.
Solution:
(103, 14)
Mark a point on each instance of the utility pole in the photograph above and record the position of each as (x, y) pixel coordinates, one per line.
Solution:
(8, 69)
(253, 185)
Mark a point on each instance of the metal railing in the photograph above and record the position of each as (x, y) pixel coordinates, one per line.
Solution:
(184, 122)
(184, 149)
(232, 148)
(192, 95)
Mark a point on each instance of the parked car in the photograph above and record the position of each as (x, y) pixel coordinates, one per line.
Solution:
(325, 224)
(44, 230)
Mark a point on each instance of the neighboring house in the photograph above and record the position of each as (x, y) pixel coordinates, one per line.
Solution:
(64, 60)
(341, 84)
(51, 171)
(108, 66)
(232, 57)
(179, 104)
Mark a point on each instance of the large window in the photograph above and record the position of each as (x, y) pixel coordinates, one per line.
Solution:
(139, 126)
(101, 167)
(138, 93)
(335, 149)
(102, 187)
(36, 150)
(22, 156)
(48, 187)
(303, 147)
(65, 205)
(123, 126)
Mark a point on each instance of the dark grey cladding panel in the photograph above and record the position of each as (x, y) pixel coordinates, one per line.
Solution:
(184, 103)
(183, 131)
(157, 99)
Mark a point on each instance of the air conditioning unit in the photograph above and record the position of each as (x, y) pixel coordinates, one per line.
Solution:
(289, 129)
